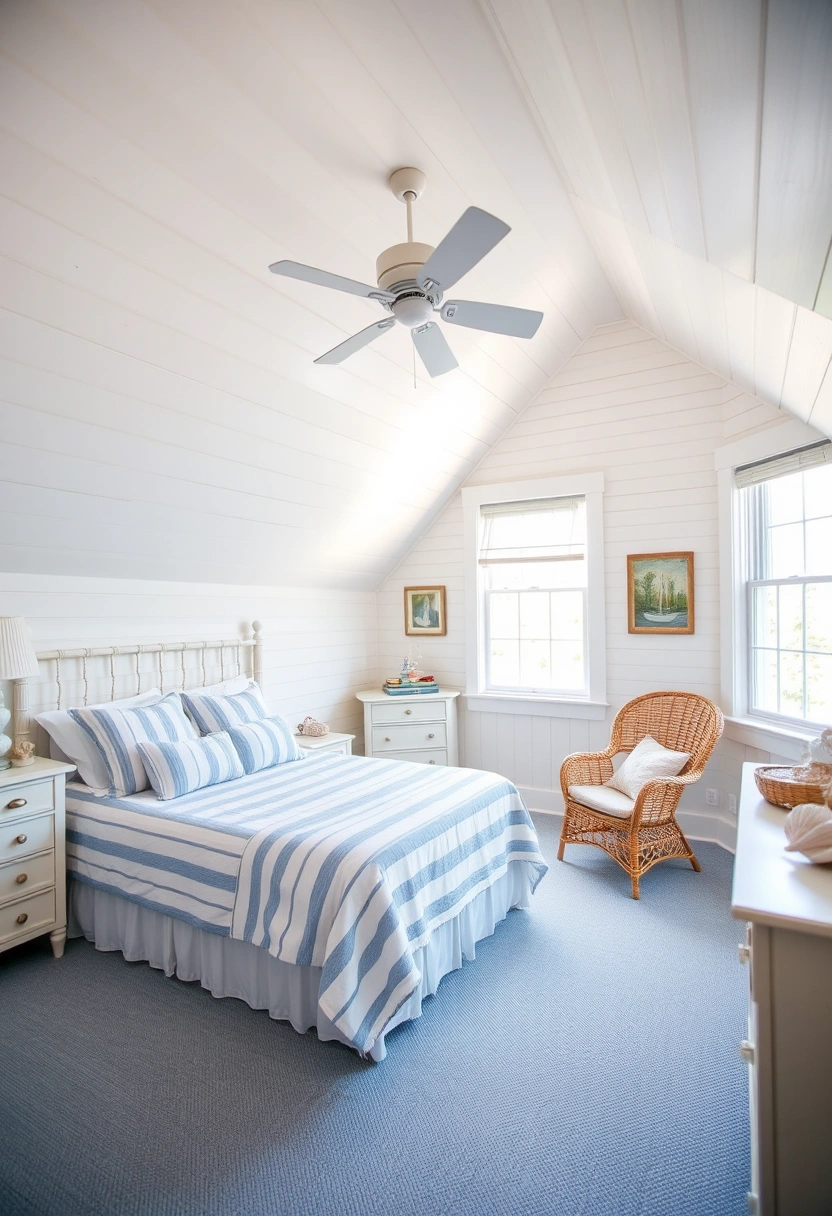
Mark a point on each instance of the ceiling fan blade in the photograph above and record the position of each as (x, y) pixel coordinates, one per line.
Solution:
(433, 349)
(494, 318)
(322, 278)
(363, 338)
(473, 236)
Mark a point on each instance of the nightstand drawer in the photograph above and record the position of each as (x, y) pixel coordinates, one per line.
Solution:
(19, 878)
(414, 735)
(27, 914)
(27, 799)
(429, 709)
(26, 836)
(419, 757)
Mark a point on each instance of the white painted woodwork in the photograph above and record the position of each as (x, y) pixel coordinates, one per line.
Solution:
(33, 854)
(646, 417)
(162, 415)
(421, 727)
(788, 902)
(339, 745)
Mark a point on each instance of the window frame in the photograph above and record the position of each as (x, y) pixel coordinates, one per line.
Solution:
(591, 705)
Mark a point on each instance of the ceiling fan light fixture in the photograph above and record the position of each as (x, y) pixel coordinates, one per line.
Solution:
(412, 309)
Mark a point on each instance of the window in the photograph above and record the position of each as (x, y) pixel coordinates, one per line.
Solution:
(535, 596)
(786, 548)
(532, 561)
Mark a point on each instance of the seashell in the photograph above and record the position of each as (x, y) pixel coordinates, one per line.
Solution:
(820, 749)
(809, 831)
(311, 726)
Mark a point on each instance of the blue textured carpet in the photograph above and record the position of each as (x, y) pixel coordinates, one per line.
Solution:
(585, 1065)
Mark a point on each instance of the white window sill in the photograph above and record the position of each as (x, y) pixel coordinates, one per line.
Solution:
(535, 705)
(787, 741)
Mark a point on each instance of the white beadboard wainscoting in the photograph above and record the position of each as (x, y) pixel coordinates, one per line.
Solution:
(318, 646)
(650, 419)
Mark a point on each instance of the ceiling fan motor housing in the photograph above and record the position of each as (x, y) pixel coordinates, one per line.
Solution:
(397, 269)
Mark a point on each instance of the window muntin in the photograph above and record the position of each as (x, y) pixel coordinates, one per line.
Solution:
(788, 560)
(533, 579)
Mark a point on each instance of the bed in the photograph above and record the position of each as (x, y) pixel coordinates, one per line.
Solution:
(333, 891)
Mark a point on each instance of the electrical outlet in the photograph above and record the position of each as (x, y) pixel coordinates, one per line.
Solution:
(712, 797)
(732, 804)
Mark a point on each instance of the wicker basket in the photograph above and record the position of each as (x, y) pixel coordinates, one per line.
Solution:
(780, 787)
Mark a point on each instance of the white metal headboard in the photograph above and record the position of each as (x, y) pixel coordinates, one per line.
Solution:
(226, 655)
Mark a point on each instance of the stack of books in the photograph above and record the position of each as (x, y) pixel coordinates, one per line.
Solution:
(401, 686)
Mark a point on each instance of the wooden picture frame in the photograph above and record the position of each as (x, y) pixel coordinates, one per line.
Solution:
(660, 593)
(424, 612)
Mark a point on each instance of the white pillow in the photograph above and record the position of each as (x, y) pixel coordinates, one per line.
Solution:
(647, 760)
(225, 688)
(71, 743)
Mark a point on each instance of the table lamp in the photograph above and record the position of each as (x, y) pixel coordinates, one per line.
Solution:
(18, 662)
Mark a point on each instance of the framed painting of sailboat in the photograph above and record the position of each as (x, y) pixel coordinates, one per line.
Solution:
(660, 592)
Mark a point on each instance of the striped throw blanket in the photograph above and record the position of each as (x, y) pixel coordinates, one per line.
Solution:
(342, 863)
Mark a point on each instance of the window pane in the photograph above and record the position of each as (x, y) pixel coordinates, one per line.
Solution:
(568, 615)
(535, 665)
(764, 675)
(785, 499)
(505, 664)
(817, 489)
(819, 616)
(791, 617)
(786, 546)
(517, 575)
(819, 546)
(568, 665)
(819, 688)
(791, 684)
(765, 616)
(503, 613)
(534, 616)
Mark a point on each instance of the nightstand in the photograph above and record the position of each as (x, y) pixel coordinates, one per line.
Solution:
(341, 745)
(33, 854)
(420, 727)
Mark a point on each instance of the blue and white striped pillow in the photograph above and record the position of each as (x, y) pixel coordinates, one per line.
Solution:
(116, 734)
(180, 768)
(265, 743)
(220, 713)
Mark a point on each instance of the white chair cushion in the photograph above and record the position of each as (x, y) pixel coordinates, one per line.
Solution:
(647, 760)
(602, 798)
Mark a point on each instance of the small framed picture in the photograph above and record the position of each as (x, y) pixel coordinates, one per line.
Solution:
(660, 592)
(424, 611)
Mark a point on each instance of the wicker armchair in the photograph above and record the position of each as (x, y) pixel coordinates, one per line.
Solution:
(682, 721)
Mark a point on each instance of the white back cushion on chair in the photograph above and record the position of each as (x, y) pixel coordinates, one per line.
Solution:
(647, 760)
(602, 798)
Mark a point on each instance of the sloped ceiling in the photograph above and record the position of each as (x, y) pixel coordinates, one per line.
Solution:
(695, 139)
(161, 413)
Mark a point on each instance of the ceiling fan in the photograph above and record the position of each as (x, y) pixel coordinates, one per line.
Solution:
(412, 278)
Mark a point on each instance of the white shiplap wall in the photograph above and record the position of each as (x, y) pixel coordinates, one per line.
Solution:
(319, 646)
(647, 416)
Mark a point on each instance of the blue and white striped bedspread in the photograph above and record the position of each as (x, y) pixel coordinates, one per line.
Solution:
(343, 863)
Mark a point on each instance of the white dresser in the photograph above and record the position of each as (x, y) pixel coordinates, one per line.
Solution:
(420, 727)
(788, 903)
(33, 854)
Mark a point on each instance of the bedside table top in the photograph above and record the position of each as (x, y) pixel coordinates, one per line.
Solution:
(40, 767)
(310, 742)
(376, 694)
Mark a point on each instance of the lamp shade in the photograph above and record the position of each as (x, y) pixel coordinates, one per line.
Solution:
(17, 655)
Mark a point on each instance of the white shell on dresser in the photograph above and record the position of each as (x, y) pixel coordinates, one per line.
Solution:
(421, 727)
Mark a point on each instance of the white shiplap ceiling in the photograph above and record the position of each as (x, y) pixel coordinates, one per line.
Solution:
(695, 139)
(161, 413)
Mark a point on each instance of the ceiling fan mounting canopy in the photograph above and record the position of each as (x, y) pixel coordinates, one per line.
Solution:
(412, 278)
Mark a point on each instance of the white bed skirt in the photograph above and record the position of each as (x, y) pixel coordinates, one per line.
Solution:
(227, 967)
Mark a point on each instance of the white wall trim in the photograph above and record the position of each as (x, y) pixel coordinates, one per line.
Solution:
(774, 441)
(534, 706)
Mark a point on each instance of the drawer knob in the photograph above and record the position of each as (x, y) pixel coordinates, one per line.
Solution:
(21, 839)
(15, 804)
(408, 711)
(431, 736)
(386, 738)
(24, 916)
(21, 878)
(431, 762)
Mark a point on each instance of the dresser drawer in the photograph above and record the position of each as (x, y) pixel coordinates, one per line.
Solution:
(19, 878)
(27, 914)
(27, 799)
(415, 734)
(26, 836)
(428, 709)
(438, 756)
